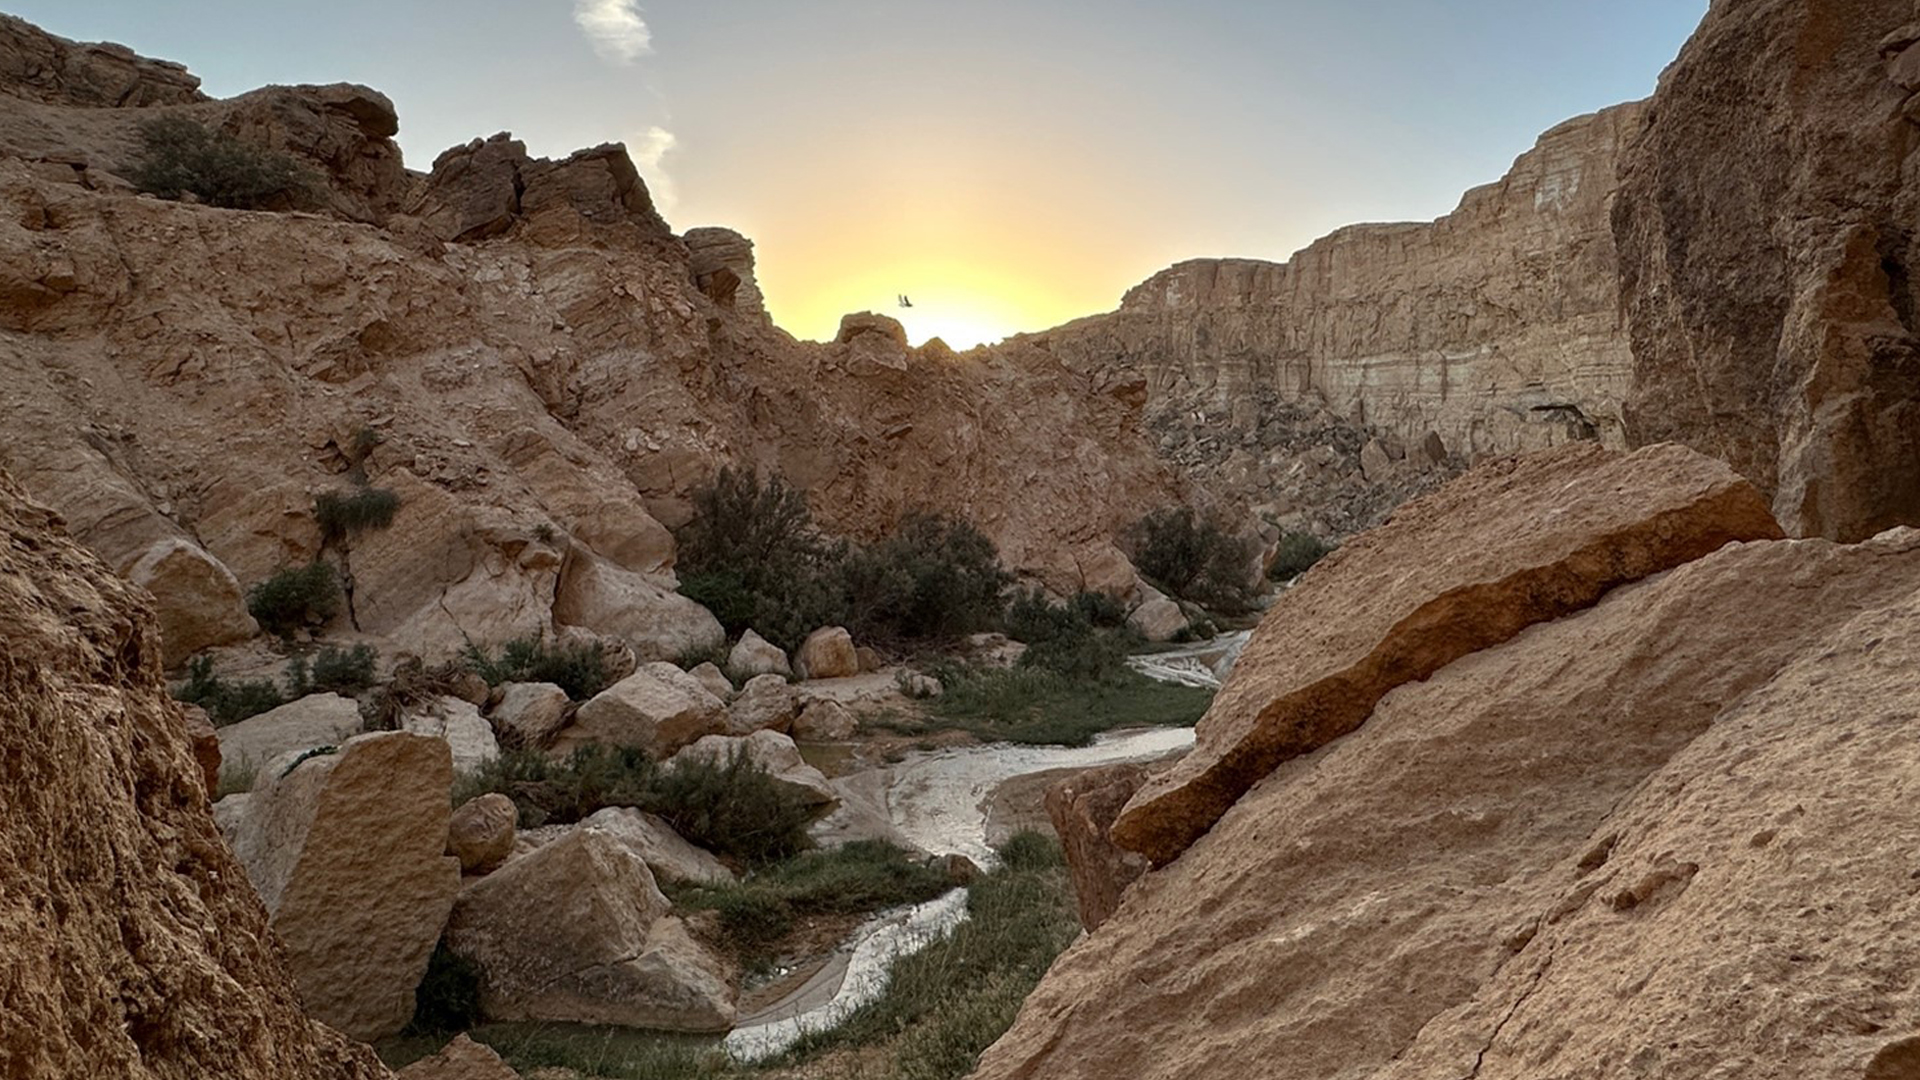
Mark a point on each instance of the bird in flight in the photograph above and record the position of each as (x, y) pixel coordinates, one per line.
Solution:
(904, 302)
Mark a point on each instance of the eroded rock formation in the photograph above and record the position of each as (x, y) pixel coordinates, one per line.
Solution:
(130, 942)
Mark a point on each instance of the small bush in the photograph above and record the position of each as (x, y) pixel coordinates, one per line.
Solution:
(550, 792)
(1071, 639)
(580, 668)
(1298, 552)
(226, 701)
(934, 578)
(1194, 558)
(448, 997)
(295, 599)
(332, 671)
(344, 514)
(180, 157)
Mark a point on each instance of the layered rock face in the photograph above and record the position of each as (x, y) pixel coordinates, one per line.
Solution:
(1496, 327)
(1660, 837)
(131, 943)
(1765, 223)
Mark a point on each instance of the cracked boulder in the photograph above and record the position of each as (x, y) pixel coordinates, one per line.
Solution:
(1653, 835)
(1516, 542)
(577, 931)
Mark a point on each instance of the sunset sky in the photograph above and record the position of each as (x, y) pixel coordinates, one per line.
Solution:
(1010, 164)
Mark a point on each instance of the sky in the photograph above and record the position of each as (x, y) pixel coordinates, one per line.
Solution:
(1007, 164)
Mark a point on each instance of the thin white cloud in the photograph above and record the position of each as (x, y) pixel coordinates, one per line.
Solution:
(649, 153)
(615, 28)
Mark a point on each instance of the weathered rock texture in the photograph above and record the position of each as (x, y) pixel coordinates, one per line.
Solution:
(1661, 837)
(346, 848)
(1766, 226)
(1082, 808)
(461, 1059)
(1515, 542)
(658, 709)
(130, 942)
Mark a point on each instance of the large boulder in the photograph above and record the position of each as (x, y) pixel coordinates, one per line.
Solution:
(713, 679)
(346, 848)
(657, 622)
(200, 602)
(481, 832)
(766, 703)
(1082, 808)
(828, 653)
(754, 655)
(314, 720)
(671, 858)
(1591, 845)
(772, 752)
(530, 714)
(131, 944)
(825, 721)
(577, 931)
(1157, 618)
(461, 1059)
(1515, 542)
(459, 723)
(658, 708)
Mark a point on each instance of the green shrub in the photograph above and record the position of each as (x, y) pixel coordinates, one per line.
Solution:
(344, 514)
(1034, 705)
(1298, 552)
(226, 701)
(1071, 639)
(332, 671)
(1194, 558)
(180, 156)
(578, 668)
(448, 997)
(295, 599)
(936, 577)
(550, 792)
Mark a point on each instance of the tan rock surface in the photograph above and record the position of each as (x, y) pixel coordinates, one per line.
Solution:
(1513, 543)
(1782, 337)
(1082, 808)
(656, 622)
(775, 753)
(658, 709)
(200, 602)
(346, 849)
(481, 832)
(713, 679)
(530, 714)
(666, 852)
(576, 931)
(828, 653)
(459, 724)
(314, 720)
(754, 655)
(825, 720)
(1387, 905)
(206, 745)
(461, 1059)
(105, 821)
(766, 703)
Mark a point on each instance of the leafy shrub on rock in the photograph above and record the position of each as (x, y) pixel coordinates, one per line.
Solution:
(295, 599)
(1298, 552)
(332, 671)
(935, 577)
(344, 514)
(181, 157)
(226, 701)
(1194, 558)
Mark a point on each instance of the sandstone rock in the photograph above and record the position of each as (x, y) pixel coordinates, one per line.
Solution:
(1157, 618)
(160, 962)
(488, 187)
(343, 132)
(457, 723)
(1776, 348)
(919, 686)
(461, 1059)
(200, 602)
(825, 721)
(530, 714)
(828, 653)
(575, 931)
(470, 688)
(766, 703)
(870, 660)
(38, 66)
(659, 624)
(713, 679)
(347, 850)
(666, 853)
(994, 650)
(722, 264)
(1375, 465)
(867, 324)
(1524, 540)
(314, 720)
(658, 709)
(773, 752)
(1082, 807)
(755, 655)
(481, 832)
(1624, 798)
(206, 745)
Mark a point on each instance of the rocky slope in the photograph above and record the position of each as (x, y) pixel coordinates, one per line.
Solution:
(1662, 836)
(1496, 328)
(130, 942)
(1766, 231)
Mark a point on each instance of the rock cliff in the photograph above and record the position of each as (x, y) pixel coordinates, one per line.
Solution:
(130, 942)
(1766, 226)
(1496, 327)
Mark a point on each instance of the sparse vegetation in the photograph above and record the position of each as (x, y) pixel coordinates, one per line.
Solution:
(1298, 552)
(182, 157)
(410, 686)
(934, 578)
(1039, 706)
(226, 701)
(731, 808)
(1194, 558)
(295, 599)
(332, 671)
(343, 514)
(856, 879)
(577, 668)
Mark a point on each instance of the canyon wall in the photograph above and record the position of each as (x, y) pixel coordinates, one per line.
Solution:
(1496, 327)
(1767, 226)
